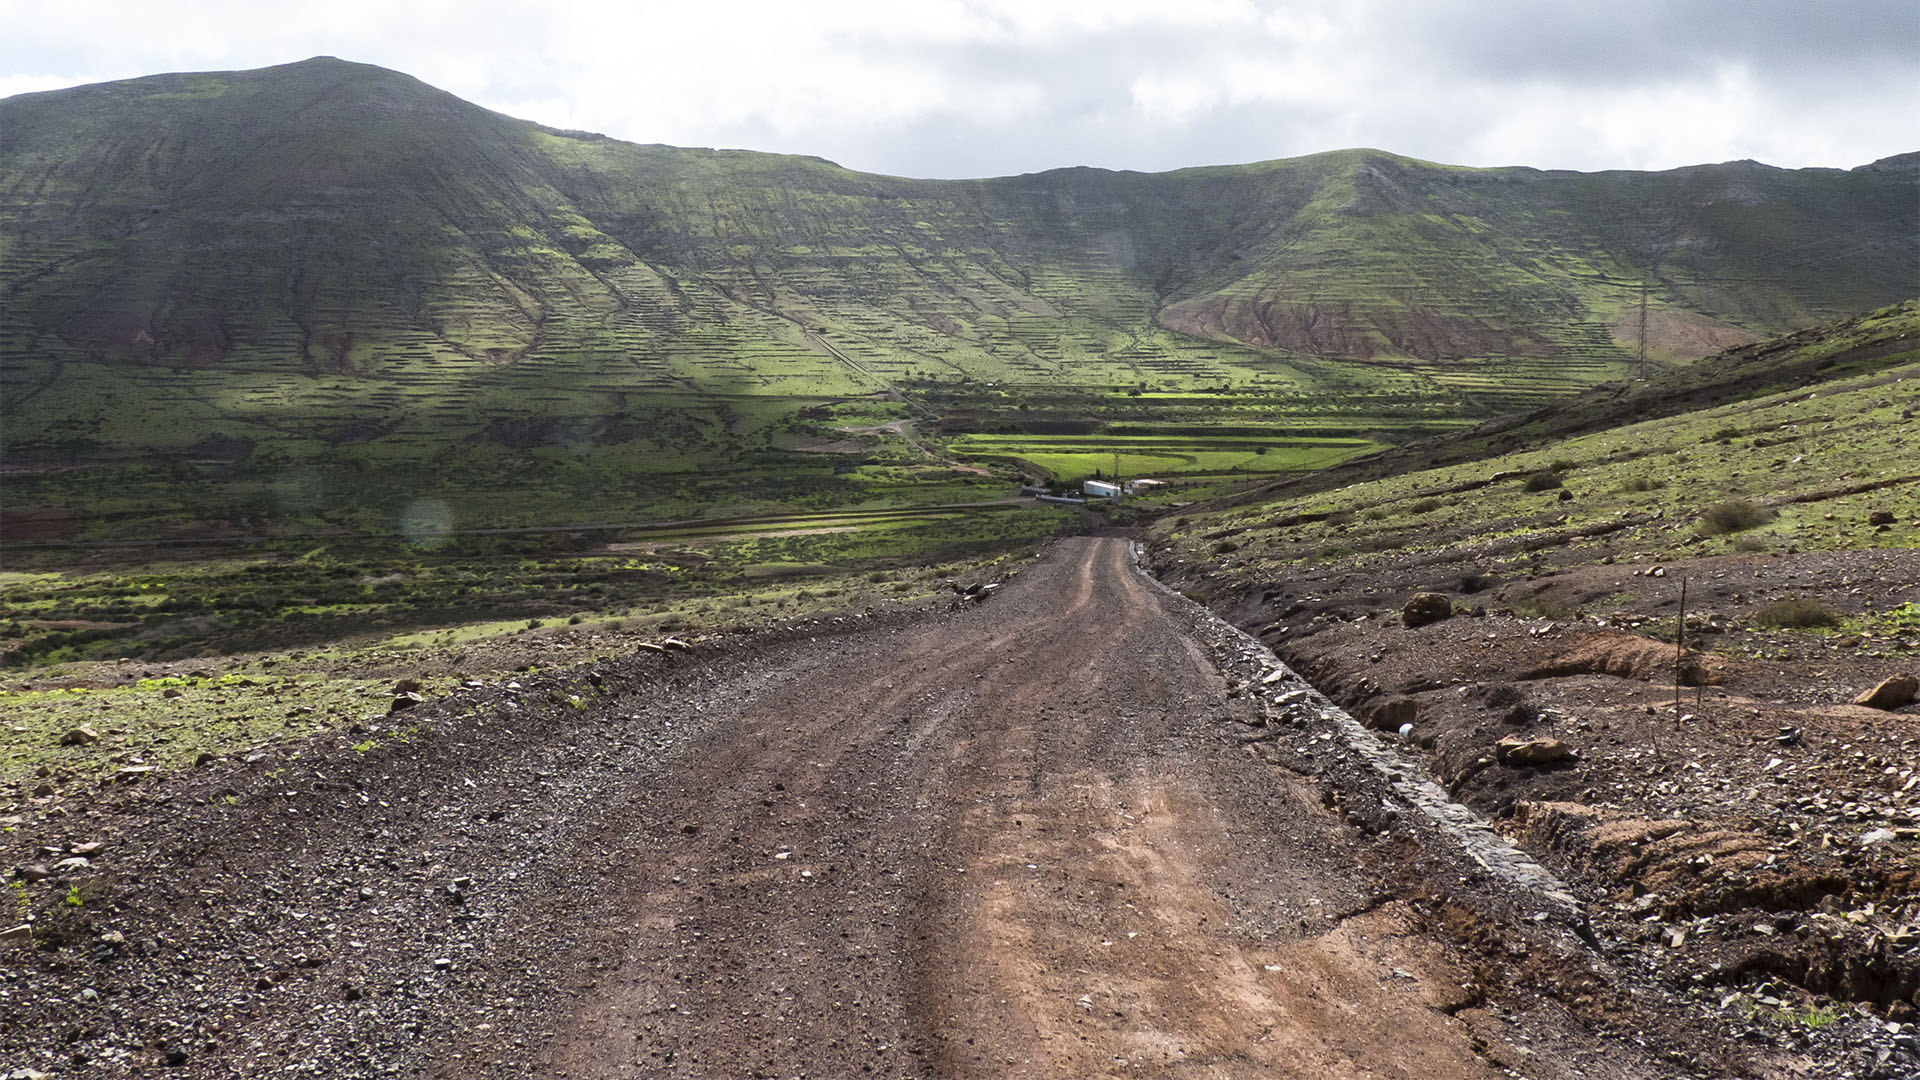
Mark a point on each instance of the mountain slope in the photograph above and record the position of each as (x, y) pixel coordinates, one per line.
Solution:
(1813, 426)
(335, 199)
(330, 270)
(1865, 345)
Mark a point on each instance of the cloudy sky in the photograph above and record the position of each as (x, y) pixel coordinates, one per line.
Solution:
(994, 87)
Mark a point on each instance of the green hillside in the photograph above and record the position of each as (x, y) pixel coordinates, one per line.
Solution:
(1804, 437)
(313, 296)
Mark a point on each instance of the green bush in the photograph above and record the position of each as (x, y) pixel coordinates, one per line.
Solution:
(1733, 515)
(1643, 483)
(1543, 481)
(1425, 506)
(1799, 613)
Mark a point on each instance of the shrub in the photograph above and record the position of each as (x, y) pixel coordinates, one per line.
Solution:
(1543, 481)
(1799, 613)
(1733, 515)
(1225, 547)
(1425, 506)
(1563, 465)
(1642, 483)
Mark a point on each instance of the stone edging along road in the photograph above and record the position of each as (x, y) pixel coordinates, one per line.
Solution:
(1286, 697)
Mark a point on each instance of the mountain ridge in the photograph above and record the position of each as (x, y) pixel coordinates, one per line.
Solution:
(334, 267)
(341, 126)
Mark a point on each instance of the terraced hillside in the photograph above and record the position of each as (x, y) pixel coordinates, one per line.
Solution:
(318, 292)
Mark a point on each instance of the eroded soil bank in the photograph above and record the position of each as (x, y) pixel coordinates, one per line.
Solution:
(1755, 849)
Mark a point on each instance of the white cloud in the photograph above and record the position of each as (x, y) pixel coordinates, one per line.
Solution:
(982, 87)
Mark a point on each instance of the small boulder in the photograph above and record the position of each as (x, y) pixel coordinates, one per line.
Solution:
(1893, 693)
(405, 700)
(80, 736)
(1426, 607)
(1880, 517)
(1519, 750)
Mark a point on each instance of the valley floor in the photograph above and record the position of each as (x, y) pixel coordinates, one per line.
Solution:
(1052, 834)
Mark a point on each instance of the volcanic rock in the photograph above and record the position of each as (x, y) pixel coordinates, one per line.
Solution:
(1891, 693)
(1424, 608)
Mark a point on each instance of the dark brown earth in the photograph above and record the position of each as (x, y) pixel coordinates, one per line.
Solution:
(1047, 835)
(1756, 847)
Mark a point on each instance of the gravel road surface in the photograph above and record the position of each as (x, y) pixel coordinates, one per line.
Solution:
(1040, 836)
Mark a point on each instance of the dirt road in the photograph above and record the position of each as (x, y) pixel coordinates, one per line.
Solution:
(1015, 843)
(1020, 840)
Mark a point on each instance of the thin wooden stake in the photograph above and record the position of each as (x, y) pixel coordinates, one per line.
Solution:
(1680, 650)
(1643, 330)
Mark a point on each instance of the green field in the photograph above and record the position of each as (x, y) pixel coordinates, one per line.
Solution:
(183, 601)
(1070, 458)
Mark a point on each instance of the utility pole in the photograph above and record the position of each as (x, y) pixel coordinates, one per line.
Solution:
(1643, 329)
